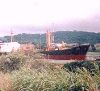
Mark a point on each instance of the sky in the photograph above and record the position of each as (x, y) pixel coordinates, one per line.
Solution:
(36, 16)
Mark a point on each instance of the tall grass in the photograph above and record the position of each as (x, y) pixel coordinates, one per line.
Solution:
(33, 80)
(54, 80)
(31, 73)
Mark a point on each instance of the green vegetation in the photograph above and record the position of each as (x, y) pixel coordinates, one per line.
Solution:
(66, 36)
(11, 62)
(20, 72)
(91, 66)
(77, 37)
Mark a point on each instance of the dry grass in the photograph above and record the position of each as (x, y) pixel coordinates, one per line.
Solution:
(5, 82)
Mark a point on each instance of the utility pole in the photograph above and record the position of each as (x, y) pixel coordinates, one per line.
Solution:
(11, 34)
(40, 41)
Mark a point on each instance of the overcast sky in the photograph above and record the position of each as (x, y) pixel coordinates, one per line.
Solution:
(33, 16)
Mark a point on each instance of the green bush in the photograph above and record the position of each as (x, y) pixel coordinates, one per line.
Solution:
(78, 88)
(33, 80)
(43, 76)
(91, 66)
(11, 62)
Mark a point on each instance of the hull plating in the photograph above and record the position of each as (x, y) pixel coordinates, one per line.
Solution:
(74, 53)
(66, 57)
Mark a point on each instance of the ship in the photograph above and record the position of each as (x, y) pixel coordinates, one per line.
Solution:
(63, 51)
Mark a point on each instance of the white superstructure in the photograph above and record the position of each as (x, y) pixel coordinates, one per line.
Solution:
(9, 47)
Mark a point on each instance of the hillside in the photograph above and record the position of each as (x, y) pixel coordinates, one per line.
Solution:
(66, 36)
(77, 36)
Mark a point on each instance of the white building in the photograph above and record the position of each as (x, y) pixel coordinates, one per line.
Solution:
(9, 47)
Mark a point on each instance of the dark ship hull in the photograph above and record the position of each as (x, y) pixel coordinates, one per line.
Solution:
(74, 53)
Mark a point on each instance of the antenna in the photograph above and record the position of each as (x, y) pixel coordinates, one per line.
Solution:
(53, 30)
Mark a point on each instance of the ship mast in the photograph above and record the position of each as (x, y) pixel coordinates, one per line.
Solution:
(49, 39)
(53, 30)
